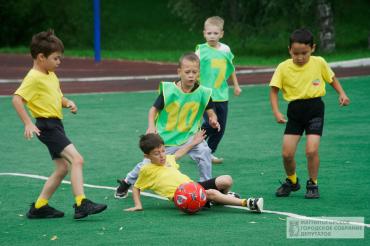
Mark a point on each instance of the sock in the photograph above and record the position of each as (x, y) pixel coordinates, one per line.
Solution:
(245, 203)
(79, 199)
(293, 178)
(314, 180)
(41, 202)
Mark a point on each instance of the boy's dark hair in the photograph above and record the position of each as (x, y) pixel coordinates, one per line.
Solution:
(190, 56)
(150, 141)
(302, 36)
(45, 43)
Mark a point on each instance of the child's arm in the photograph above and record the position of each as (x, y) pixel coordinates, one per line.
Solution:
(275, 105)
(29, 127)
(137, 201)
(343, 99)
(197, 139)
(237, 89)
(66, 103)
(212, 119)
(151, 120)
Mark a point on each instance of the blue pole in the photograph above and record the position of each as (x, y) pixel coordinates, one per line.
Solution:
(97, 30)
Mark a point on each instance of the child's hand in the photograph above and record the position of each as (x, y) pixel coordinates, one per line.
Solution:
(199, 137)
(72, 106)
(280, 118)
(343, 100)
(214, 124)
(151, 129)
(134, 209)
(237, 90)
(29, 129)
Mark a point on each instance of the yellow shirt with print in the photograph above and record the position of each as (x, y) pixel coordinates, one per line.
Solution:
(161, 179)
(42, 94)
(302, 82)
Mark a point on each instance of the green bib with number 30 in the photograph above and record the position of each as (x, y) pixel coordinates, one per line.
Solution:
(182, 113)
(215, 68)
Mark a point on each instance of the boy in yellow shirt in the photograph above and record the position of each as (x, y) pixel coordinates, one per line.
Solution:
(40, 91)
(302, 81)
(162, 175)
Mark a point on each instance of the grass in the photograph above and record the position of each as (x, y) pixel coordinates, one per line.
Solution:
(106, 131)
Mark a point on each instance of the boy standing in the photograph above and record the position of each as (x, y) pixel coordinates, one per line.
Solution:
(216, 67)
(176, 116)
(163, 177)
(40, 91)
(302, 81)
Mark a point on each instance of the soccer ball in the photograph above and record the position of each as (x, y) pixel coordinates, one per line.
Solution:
(190, 197)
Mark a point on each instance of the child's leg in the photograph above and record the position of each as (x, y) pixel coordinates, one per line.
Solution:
(215, 137)
(71, 154)
(312, 154)
(290, 143)
(53, 182)
(201, 153)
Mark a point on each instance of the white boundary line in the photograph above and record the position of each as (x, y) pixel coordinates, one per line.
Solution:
(292, 215)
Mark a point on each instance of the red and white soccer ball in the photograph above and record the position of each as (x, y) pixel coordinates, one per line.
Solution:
(190, 197)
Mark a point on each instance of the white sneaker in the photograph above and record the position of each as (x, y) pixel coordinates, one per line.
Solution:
(255, 204)
(216, 160)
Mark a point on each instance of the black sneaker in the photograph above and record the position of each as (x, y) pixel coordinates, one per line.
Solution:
(287, 187)
(255, 204)
(45, 212)
(122, 189)
(234, 194)
(88, 207)
(312, 190)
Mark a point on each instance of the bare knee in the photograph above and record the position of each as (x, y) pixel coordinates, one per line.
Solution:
(224, 182)
(288, 156)
(312, 153)
(78, 160)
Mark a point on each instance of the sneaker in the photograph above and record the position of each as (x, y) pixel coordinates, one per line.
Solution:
(234, 194)
(122, 189)
(88, 207)
(255, 204)
(312, 190)
(43, 212)
(216, 160)
(287, 187)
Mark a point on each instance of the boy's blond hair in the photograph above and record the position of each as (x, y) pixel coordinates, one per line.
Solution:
(214, 21)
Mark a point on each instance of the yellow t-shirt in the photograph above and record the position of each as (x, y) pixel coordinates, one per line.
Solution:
(302, 82)
(42, 94)
(161, 179)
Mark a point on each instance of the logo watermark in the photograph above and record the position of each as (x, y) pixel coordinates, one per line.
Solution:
(325, 227)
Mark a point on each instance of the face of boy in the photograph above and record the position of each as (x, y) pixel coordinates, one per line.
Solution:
(301, 53)
(212, 34)
(189, 73)
(157, 155)
(51, 62)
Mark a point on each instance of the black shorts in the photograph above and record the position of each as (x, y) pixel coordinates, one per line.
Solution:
(52, 135)
(305, 115)
(209, 184)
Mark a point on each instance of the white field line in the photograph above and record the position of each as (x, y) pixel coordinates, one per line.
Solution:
(292, 215)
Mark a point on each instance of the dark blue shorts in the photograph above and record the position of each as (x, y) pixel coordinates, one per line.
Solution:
(52, 135)
(305, 115)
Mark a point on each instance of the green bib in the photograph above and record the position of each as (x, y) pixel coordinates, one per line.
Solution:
(182, 113)
(215, 68)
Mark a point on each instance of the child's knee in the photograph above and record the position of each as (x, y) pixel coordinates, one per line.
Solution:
(78, 160)
(211, 194)
(288, 156)
(310, 153)
(224, 182)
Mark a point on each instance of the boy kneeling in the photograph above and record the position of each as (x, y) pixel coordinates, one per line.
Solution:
(162, 176)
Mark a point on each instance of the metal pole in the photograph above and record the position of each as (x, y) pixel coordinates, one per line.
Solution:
(97, 30)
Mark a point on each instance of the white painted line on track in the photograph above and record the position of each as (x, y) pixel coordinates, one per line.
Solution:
(292, 215)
